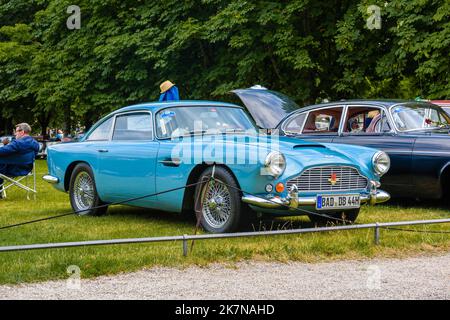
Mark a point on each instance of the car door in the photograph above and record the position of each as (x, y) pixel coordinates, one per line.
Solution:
(127, 162)
(369, 126)
(321, 125)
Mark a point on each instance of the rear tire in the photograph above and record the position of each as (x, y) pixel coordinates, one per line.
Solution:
(335, 217)
(83, 192)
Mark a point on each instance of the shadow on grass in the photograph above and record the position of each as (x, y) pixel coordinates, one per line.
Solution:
(264, 223)
(419, 204)
(151, 214)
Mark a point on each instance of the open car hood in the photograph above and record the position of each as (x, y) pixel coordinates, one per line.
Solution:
(267, 107)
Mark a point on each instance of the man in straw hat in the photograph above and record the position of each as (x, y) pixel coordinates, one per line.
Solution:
(169, 92)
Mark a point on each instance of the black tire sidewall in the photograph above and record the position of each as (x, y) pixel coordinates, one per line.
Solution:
(83, 167)
(234, 220)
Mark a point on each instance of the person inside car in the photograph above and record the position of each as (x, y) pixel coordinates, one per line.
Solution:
(354, 126)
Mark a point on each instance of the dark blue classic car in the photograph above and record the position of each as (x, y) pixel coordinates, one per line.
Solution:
(445, 104)
(414, 134)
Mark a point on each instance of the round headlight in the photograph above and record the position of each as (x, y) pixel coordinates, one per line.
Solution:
(381, 163)
(275, 163)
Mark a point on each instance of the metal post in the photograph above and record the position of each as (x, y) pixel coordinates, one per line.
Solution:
(34, 180)
(377, 233)
(185, 246)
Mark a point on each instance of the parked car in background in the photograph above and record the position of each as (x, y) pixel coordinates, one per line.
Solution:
(47, 143)
(150, 148)
(444, 104)
(44, 143)
(414, 134)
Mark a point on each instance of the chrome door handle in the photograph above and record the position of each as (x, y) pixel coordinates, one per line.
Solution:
(169, 162)
(103, 150)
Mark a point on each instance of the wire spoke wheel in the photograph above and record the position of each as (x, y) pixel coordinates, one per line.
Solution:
(84, 191)
(220, 201)
(216, 202)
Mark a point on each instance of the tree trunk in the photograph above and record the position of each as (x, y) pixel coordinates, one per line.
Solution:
(67, 120)
(44, 121)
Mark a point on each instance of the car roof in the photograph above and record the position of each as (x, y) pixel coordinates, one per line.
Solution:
(378, 102)
(442, 103)
(155, 106)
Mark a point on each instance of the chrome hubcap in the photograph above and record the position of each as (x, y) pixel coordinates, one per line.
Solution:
(83, 191)
(216, 204)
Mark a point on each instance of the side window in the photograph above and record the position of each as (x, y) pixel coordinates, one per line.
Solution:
(295, 124)
(435, 117)
(361, 120)
(382, 125)
(102, 132)
(136, 126)
(323, 121)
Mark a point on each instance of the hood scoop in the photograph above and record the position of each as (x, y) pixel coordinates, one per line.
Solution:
(308, 145)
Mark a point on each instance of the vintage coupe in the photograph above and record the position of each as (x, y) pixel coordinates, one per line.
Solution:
(445, 104)
(150, 148)
(415, 135)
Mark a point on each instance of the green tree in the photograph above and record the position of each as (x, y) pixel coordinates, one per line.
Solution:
(408, 56)
(310, 50)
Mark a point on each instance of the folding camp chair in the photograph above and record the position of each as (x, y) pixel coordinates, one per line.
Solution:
(22, 182)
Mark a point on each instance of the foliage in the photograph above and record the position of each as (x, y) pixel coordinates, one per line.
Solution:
(310, 50)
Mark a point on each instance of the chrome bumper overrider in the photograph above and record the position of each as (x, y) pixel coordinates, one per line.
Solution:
(50, 179)
(293, 200)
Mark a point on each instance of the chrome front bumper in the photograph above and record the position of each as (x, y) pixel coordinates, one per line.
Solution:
(292, 201)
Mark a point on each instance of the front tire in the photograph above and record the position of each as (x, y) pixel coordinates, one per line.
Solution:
(221, 204)
(83, 192)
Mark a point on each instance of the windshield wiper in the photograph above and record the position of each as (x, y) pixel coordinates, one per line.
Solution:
(234, 130)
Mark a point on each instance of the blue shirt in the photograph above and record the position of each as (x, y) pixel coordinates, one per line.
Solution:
(19, 151)
(170, 95)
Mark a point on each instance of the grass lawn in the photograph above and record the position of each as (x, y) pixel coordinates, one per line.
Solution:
(127, 222)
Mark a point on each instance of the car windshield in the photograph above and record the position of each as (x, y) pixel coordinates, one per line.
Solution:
(410, 117)
(191, 120)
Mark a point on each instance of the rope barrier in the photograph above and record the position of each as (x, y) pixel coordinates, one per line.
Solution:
(199, 206)
(101, 206)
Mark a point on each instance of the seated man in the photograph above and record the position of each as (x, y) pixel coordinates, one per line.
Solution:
(17, 157)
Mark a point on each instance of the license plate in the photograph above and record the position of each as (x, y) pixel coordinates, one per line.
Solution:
(343, 201)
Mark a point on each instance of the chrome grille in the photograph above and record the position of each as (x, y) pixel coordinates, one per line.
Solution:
(317, 179)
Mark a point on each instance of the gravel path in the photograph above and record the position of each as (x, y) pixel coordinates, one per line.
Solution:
(412, 278)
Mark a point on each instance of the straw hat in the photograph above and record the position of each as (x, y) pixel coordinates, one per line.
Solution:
(166, 85)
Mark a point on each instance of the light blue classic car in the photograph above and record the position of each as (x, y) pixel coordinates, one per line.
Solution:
(151, 148)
